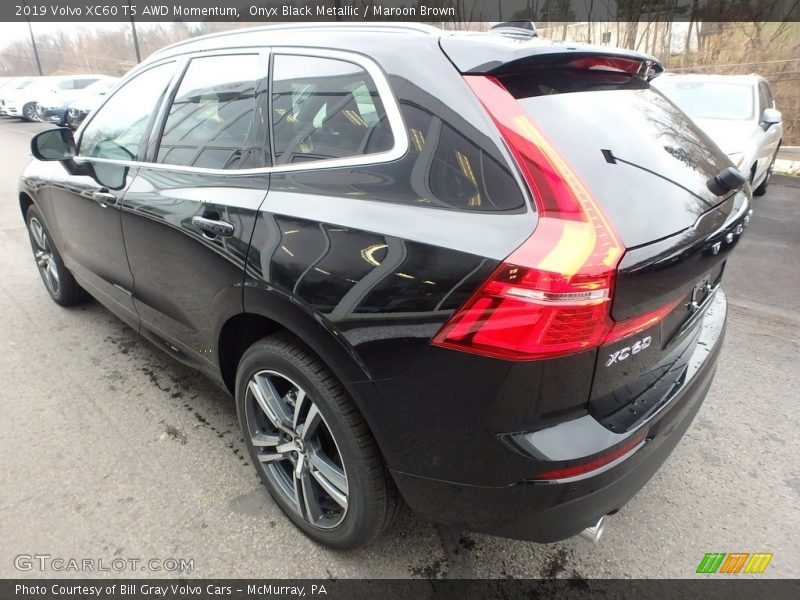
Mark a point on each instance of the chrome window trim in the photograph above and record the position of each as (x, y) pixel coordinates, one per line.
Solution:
(385, 93)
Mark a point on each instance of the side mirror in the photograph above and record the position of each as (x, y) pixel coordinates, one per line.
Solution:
(770, 117)
(54, 144)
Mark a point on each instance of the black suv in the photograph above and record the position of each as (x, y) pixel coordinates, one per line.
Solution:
(475, 272)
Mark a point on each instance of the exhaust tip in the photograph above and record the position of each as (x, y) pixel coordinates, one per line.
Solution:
(594, 533)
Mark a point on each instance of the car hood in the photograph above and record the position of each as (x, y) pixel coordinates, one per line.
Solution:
(729, 135)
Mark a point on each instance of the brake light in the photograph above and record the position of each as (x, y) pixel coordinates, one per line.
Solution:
(552, 296)
(607, 63)
(597, 462)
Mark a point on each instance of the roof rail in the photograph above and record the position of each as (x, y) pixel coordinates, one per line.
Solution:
(409, 27)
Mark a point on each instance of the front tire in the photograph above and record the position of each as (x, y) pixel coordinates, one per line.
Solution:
(58, 281)
(310, 445)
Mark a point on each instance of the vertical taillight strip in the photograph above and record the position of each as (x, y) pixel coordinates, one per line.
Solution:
(552, 295)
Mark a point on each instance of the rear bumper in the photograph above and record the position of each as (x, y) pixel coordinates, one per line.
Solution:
(547, 512)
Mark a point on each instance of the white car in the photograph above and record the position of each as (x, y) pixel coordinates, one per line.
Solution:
(737, 112)
(11, 88)
(21, 102)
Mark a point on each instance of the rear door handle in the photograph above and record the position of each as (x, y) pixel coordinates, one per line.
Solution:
(214, 226)
(104, 197)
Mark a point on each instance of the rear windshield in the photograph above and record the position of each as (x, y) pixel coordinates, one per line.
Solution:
(644, 160)
(710, 99)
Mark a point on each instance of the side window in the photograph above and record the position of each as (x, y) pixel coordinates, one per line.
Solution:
(117, 129)
(210, 119)
(324, 108)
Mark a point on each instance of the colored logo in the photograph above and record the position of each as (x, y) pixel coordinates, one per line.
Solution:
(734, 562)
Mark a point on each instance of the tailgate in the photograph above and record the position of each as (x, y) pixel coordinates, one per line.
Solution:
(635, 376)
(648, 166)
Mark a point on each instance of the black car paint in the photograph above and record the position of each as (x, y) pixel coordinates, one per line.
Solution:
(441, 417)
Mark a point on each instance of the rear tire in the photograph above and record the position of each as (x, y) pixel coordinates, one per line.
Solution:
(58, 281)
(293, 411)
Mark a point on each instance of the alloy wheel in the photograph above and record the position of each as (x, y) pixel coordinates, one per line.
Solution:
(30, 113)
(296, 449)
(43, 254)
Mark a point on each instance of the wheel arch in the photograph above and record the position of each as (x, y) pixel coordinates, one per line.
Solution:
(25, 202)
(266, 313)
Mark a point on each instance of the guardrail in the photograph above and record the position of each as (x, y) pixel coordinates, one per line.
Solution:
(789, 153)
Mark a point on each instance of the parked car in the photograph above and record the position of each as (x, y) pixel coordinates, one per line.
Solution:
(53, 107)
(22, 103)
(489, 287)
(78, 109)
(738, 112)
(11, 89)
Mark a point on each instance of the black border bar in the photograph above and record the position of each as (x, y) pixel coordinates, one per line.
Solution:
(711, 588)
(273, 11)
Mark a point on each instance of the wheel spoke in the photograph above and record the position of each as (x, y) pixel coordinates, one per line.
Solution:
(37, 233)
(312, 422)
(270, 403)
(327, 469)
(310, 500)
(53, 273)
(264, 440)
(300, 400)
(298, 486)
(330, 489)
(282, 452)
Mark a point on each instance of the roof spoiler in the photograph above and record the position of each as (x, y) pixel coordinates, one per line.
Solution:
(491, 54)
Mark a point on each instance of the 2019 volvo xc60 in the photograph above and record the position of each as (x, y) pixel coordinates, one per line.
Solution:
(478, 274)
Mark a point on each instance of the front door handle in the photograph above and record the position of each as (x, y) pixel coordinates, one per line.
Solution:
(104, 197)
(214, 226)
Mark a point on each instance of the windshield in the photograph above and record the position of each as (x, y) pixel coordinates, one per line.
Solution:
(710, 99)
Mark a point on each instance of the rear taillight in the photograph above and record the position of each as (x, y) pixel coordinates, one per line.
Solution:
(552, 296)
(622, 329)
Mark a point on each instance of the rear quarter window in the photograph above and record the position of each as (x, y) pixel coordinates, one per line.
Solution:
(324, 108)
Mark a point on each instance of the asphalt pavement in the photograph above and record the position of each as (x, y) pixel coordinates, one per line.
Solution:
(112, 450)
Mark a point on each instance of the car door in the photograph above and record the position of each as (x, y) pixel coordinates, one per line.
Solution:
(86, 203)
(190, 211)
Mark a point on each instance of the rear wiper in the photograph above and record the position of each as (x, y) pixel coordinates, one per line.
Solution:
(612, 160)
